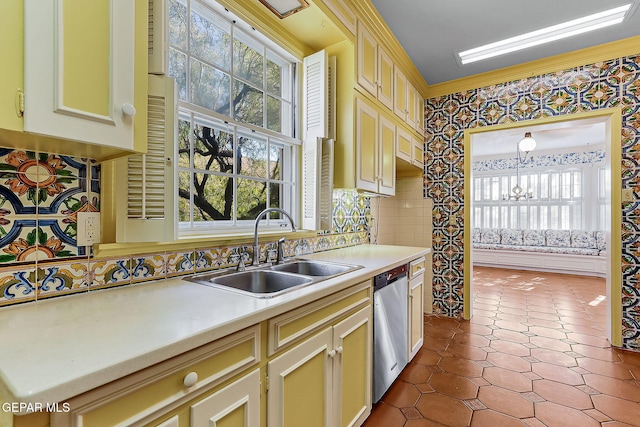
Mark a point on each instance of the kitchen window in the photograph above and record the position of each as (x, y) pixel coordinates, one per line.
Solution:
(236, 142)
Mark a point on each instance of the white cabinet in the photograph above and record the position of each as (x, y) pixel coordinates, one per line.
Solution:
(236, 405)
(409, 149)
(408, 104)
(325, 380)
(80, 70)
(417, 155)
(374, 67)
(375, 150)
(416, 306)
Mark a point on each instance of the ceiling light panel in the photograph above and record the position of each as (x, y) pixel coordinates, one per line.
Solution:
(546, 35)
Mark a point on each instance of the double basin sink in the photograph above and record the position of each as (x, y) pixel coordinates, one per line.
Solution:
(271, 281)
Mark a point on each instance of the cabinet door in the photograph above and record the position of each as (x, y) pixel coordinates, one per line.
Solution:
(417, 157)
(366, 147)
(404, 145)
(367, 60)
(11, 34)
(79, 70)
(236, 405)
(399, 93)
(420, 114)
(300, 384)
(412, 99)
(387, 157)
(385, 78)
(352, 368)
(416, 319)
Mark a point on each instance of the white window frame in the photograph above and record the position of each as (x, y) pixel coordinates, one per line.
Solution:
(491, 211)
(287, 137)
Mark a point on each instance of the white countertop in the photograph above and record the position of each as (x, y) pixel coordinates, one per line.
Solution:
(55, 349)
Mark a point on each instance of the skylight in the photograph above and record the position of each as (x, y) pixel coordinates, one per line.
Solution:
(546, 35)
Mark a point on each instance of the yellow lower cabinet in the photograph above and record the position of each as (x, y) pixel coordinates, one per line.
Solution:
(300, 384)
(352, 368)
(163, 395)
(236, 405)
(416, 306)
(326, 379)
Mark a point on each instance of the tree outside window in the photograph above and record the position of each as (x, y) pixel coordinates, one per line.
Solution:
(230, 86)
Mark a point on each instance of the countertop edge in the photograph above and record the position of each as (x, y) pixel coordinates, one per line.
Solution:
(92, 380)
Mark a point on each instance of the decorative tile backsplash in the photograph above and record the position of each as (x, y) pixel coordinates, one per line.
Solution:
(40, 196)
(608, 84)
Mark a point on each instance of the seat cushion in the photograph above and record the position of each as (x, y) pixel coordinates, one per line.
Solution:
(533, 237)
(601, 240)
(490, 236)
(511, 236)
(475, 235)
(558, 238)
(583, 239)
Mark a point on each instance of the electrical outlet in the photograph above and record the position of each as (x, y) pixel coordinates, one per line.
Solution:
(88, 228)
(627, 195)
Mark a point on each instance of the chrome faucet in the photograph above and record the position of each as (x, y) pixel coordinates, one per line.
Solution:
(256, 247)
(280, 251)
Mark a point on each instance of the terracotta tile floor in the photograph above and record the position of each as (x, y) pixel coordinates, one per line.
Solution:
(534, 354)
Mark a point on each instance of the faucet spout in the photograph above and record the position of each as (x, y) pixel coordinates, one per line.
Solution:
(256, 247)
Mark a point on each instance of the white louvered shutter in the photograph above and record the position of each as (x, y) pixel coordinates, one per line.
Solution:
(317, 157)
(158, 37)
(146, 210)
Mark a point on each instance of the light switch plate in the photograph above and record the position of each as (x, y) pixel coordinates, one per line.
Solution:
(88, 228)
(627, 195)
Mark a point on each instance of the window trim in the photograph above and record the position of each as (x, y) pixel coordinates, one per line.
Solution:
(587, 200)
(289, 95)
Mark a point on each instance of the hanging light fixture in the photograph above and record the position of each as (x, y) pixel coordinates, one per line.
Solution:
(525, 145)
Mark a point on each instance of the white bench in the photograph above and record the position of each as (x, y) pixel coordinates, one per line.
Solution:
(561, 251)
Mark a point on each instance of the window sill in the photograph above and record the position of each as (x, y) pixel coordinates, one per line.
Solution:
(110, 250)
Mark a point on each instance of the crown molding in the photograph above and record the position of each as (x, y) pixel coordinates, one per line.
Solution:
(603, 52)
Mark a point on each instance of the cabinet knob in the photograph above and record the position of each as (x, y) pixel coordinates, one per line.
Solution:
(128, 109)
(190, 379)
(339, 349)
(332, 354)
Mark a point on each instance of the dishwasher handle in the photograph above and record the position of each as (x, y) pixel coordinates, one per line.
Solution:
(388, 277)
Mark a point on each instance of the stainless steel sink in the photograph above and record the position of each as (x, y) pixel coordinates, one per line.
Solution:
(259, 283)
(313, 268)
(271, 281)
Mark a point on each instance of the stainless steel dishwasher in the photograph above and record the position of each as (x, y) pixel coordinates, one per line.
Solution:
(390, 325)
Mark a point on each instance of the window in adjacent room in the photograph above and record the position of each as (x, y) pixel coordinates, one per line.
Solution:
(559, 200)
(236, 136)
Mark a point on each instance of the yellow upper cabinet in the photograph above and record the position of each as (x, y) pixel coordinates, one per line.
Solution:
(85, 70)
(375, 150)
(11, 34)
(375, 67)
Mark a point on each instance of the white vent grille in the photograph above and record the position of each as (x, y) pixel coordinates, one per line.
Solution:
(317, 158)
(147, 171)
(158, 37)
(331, 98)
(150, 32)
(309, 162)
(326, 185)
(315, 96)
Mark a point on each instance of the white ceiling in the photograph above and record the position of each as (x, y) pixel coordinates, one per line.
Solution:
(431, 32)
(574, 135)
